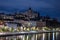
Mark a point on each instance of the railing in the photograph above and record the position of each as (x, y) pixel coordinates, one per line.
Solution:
(30, 35)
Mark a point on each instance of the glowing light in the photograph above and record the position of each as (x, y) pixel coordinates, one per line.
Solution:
(57, 33)
(37, 28)
(23, 37)
(27, 29)
(36, 36)
(27, 37)
(43, 33)
(53, 34)
(48, 36)
(21, 28)
(43, 37)
(53, 37)
(33, 37)
(24, 28)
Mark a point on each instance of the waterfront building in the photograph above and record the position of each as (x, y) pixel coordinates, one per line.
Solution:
(29, 16)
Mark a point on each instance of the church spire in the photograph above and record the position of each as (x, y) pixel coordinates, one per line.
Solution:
(30, 10)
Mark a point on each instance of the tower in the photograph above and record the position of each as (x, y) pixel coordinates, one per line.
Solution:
(30, 10)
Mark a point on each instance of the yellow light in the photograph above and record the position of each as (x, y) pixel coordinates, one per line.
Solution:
(6, 27)
(33, 28)
(24, 28)
(27, 29)
(57, 28)
(46, 28)
(18, 30)
(21, 28)
(37, 28)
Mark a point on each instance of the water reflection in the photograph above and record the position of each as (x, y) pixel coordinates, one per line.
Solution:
(42, 36)
(57, 33)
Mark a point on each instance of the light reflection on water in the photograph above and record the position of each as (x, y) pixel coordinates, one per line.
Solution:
(44, 36)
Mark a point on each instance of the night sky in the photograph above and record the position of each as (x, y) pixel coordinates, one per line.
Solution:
(44, 7)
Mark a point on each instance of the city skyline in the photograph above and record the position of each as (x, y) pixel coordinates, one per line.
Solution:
(44, 7)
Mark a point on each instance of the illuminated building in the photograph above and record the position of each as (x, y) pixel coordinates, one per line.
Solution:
(28, 16)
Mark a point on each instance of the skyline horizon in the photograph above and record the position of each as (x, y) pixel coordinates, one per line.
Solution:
(24, 10)
(44, 7)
